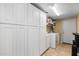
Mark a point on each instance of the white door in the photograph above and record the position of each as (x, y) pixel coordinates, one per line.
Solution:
(69, 27)
(33, 41)
(7, 35)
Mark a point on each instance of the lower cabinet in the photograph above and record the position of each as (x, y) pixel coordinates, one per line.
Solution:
(33, 41)
(7, 35)
(26, 41)
(42, 41)
(13, 40)
(18, 40)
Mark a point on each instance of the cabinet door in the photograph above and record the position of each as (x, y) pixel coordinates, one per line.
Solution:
(26, 41)
(42, 18)
(20, 41)
(19, 13)
(42, 41)
(7, 35)
(33, 15)
(30, 14)
(26, 14)
(36, 16)
(6, 13)
(33, 41)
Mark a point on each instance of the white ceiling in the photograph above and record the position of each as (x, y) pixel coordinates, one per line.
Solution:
(65, 9)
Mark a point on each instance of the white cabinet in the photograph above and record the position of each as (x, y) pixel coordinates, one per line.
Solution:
(33, 15)
(7, 35)
(36, 16)
(15, 13)
(30, 16)
(6, 13)
(20, 41)
(26, 41)
(26, 14)
(33, 41)
(19, 12)
(42, 41)
(13, 40)
(42, 18)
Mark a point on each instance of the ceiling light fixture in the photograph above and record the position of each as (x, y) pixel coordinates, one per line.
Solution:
(55, 10)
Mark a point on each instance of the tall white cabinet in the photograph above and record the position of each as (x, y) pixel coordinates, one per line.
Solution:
(42, 32)
(22, 30)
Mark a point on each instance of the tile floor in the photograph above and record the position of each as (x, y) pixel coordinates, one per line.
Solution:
(61, 50)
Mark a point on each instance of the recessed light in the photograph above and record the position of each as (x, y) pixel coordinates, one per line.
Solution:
(55, 10)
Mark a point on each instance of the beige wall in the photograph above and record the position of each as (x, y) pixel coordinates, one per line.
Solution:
(58, 27)
(59, 24)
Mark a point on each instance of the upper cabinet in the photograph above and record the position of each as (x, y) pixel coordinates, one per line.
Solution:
(33, 15)
(15, 13)
(36, 17)
(29, 12)
(42, 18)
(19, 13)
(26, 14)
(6, 13)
